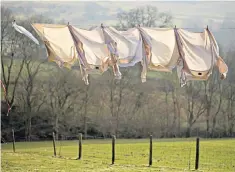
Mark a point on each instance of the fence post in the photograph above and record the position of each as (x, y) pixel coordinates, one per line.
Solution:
(53, 134)
(13, 140)
(197, 154)
(113, 148)
(80, 146)
(151, 150)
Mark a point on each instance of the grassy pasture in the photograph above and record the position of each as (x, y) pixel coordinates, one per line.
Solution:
(131, 155)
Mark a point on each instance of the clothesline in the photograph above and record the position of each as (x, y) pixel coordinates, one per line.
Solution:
(156, 27)
(199, 28)
(229, 28)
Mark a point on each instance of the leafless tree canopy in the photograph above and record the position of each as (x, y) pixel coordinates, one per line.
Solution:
(147, 16)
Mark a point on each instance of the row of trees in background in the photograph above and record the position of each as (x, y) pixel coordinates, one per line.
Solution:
(47, 98)
(147, 16)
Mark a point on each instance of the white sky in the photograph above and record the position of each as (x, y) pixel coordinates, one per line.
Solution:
(118, 0)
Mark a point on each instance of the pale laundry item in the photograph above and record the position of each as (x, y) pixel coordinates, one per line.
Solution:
(113, 53)
(129, 45)
(92, 46)
(60, 46)
(160, 50)
(22, 30)
(59, 43)
(199, 53)
(222, 67)
(95, 50)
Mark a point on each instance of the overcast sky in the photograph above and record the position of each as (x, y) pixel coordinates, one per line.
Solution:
(105, 0)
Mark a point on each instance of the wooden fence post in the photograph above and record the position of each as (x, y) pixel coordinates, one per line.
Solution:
(151, 151)
(13, 140)
(80, 146)
(113, 148)
(197, 154)
(53, 134)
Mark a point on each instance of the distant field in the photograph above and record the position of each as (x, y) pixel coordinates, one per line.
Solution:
(131, 155)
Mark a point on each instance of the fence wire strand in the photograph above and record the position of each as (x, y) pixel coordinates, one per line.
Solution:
(176, 154)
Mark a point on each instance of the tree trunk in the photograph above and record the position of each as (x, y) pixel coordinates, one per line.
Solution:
(214, 117)
(30, 127)
(117, 126)
(167, 115)
(190, 123)
(208, 104)
(56, 126)
(188, 132)
(176, 112)
(207, 123)
(179, 123)
(85, 112)
(230, 130)
(213, 127)
(26, 130)
(85, 127)
(225, 125)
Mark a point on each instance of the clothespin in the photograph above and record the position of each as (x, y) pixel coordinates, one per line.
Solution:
(102, 26)
(14, 22)
(207, 27)
(175, 27)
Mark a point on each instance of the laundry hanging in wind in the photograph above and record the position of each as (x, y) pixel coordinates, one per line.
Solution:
(69, 46)
(194, 55)
(22, 30)
(199, 54)
(160, 50)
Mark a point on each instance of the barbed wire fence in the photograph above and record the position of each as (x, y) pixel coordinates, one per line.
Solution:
(178, 154)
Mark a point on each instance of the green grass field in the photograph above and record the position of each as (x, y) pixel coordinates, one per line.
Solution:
(131, 155)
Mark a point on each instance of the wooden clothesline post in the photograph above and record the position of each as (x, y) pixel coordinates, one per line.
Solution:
(151, 151)
(113, 148)
(54, 148)
(80, 146)
(197, 154)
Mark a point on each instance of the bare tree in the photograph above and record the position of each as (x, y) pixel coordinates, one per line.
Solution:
(169, 85)
(177, 109)
(32, 64)
(147, 16)
(230, 109)
(195, 105)
(210, 89)
(32, 70)
(85, 111)
(218, 104)
(11, 53)
(60, 96)
(213, 100)
(117, 95)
